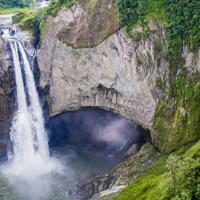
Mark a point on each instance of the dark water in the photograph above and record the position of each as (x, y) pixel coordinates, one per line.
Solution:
(86, 143)
(93, 129)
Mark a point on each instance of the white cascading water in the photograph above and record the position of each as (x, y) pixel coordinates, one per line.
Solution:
(21, 129)
(30, 157)
(37, 120)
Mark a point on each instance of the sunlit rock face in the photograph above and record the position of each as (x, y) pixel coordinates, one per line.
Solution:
(118, 74)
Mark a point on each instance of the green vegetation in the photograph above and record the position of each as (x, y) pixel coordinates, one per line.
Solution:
(56, 5)
(29, 20)
(159, 83)
(139, 11)
(15, 3)
(181, 20)
(178, 115)
(177, 118)
(148, 185)
(173, 165)
(12, 10)
(175, 178)
(185, 175)
(34, 20)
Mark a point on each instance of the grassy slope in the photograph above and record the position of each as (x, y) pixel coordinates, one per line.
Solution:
(181, 25)
(153, 184)
(12, 10)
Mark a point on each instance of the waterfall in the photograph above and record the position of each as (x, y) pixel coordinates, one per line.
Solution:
(37, 120)
(28, 135)
(21, 130)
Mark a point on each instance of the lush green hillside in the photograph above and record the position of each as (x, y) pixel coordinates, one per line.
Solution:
(175, 178)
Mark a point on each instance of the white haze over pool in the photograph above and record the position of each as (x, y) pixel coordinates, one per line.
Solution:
(97, 130)
(114, 133)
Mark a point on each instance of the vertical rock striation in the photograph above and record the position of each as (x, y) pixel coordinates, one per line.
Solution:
(117, 74)
(6, 103)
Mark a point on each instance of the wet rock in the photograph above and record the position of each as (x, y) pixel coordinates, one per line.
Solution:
(12, 32)
(6, 100)
(94, 185)
(125, 172)
(133, 150)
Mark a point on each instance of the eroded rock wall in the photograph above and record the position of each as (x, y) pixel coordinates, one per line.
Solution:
(6, 104)
(118, 74)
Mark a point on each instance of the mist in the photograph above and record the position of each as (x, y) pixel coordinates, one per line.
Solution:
(94, 129)
(82, 144)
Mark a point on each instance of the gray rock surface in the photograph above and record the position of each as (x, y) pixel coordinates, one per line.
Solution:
(119, 74)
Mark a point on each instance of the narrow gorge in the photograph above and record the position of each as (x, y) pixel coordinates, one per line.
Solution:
(99, 100)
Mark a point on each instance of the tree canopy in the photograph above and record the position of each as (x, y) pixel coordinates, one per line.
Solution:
(15, 3)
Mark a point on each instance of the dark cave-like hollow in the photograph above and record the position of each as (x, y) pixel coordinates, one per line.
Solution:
(94, 129)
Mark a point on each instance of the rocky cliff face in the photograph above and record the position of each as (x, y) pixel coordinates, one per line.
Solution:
(119, 74)
(5, 96)
(81, 66)
(92, 21)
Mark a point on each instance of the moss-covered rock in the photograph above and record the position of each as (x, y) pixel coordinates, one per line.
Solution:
(134, 165)
(125, 172)
(95, 21)
(177, 118)
(156, 180)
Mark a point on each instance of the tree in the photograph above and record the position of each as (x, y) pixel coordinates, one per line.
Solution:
(173, 165)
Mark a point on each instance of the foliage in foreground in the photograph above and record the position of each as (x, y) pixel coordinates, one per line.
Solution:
(175, 178)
